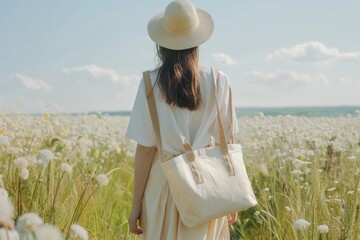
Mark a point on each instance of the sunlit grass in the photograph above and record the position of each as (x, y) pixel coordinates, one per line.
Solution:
(300, 168)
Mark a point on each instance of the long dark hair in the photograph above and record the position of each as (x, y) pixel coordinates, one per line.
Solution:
(178, 77)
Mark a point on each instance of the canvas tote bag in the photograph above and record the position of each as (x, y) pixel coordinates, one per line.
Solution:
(205, 183)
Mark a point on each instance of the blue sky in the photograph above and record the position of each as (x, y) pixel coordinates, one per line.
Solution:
(75, 56)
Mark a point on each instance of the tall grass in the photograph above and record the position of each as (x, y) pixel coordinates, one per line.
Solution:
(300, 168)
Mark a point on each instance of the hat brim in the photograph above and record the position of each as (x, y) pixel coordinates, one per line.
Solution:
(161, 36)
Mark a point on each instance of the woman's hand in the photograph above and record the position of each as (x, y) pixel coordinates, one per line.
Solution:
(135, 219)
(232, 218)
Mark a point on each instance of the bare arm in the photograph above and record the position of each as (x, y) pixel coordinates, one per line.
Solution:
(143, 159)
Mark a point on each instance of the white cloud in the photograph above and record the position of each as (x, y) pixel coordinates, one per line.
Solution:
(224, 58)
(286, 78)
(98, 72)
(31, 83)
(314, 52)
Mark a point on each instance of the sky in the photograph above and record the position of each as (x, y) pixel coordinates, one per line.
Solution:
(79, 56)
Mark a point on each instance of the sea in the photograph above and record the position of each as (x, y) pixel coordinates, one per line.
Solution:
(313, 111)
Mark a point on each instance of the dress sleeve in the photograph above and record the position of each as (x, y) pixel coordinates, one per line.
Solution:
(140, 128)
(223, 96)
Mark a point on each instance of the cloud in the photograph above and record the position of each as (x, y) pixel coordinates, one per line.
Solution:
(98, 72)
(224, 58)
(285, 78)
(30, 83)
(313, 52)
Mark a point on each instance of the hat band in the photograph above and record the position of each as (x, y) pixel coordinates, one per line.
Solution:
(184, 31)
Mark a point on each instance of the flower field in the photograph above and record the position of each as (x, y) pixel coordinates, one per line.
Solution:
(71, 177)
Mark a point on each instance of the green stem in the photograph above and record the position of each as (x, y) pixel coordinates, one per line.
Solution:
(52, 210)
(9, 167)
(19, 197)
(76, 210)
(33, 193)
(31, 142)
(82, 208)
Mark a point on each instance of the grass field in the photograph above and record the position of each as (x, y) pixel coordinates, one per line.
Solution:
(305, 173)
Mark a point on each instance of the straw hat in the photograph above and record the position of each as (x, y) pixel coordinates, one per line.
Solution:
(181, 26)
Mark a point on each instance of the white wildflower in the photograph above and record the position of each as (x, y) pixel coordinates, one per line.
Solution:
(21, 162)
(266, 189)
(28, 222)
(299, 163)
(47, 232)
(301, 224)
(297, 172)
(323, 228)
(288, 208)
(77, 232)
(6, 234)
(66, 167)
(4, 141)
(24, 174)
(102, 180)
(350, 192)
(331, 189)
(352, 158)
(44, 156)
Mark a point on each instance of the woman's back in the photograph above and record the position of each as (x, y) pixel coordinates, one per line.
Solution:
(196, 125)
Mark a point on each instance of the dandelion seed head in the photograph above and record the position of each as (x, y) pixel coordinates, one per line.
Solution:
(21, 162)
(299, 163)
(28, 222)
(301, 224)
(352, 158)
(47, 232)
(297, 172)
(4, 141)
(24, 174)
(102, 180)
(77, 232)
(44, 156)
(66, 167)
(323, 228)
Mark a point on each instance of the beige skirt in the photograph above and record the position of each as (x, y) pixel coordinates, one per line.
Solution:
(160, 218)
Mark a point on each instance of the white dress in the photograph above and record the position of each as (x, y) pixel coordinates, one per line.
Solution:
(159, 215)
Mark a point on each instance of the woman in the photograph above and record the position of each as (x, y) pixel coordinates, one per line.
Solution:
(184, 95)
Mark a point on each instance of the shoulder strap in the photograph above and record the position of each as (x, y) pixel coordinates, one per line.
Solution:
(153, 111)
(223, 144)
(223, 141)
